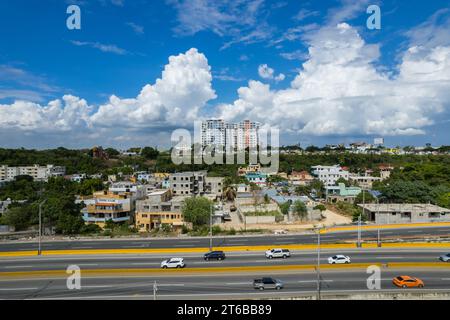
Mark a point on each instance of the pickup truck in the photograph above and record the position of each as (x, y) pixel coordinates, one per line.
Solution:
(278, 253)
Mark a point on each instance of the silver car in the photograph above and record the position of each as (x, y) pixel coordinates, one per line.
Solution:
(445, 257)
(268, 283)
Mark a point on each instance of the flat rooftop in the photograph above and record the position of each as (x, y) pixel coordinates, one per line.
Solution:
(404, 207)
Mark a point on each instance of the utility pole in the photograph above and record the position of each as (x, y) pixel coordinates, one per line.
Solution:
(318, 264)
(378, 214)
(40, 227)
(358, 244)
(155, 288)
(210, 228)
(359, 219)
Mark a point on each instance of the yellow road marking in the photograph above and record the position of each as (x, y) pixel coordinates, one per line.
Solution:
(226, 249)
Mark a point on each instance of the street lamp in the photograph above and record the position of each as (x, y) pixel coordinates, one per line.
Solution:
(210, 227)
(318, 264)
(40, 226)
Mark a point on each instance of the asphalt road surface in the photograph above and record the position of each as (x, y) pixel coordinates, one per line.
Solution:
(193, 260)
(192, 242)
(236, 284)
(232, 286)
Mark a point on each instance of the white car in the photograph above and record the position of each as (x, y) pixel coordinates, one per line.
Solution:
(173, 263)
(278, 253)
(339, 259)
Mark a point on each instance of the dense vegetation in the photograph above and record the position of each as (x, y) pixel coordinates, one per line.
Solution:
(417, 178)
(59, 210)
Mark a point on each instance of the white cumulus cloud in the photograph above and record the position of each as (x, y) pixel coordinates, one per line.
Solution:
(340, 92)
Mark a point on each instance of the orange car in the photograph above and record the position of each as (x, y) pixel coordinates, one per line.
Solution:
(407, 282)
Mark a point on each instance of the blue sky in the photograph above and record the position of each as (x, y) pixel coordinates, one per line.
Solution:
(306, 67)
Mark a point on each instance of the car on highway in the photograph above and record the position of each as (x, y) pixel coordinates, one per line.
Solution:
(267, 283)
(214, 255)
(339, 259)
(407, 282)
(278, 253)
(173, 263)
(445, 257)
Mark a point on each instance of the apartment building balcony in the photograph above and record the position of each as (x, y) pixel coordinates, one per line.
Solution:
(103, 218)
(105, 208)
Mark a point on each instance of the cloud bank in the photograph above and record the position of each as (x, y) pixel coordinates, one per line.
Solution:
(338, 91)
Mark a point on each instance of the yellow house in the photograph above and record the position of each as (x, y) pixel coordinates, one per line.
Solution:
(159, 209)
(161, 175)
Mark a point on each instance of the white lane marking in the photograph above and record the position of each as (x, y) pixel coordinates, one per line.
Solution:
(87, 264)
(17, 289)
(171, 285)
(141, 246)
(15, 267)
(236, 283)
(145, 263)
(96, 287)
(389, 257)
(237, 240)
(313, 281)
(446, 279)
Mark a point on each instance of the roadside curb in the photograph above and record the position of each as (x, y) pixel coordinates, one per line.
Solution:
(386, 226)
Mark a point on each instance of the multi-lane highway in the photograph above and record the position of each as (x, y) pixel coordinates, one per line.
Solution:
(192, 242)
(237, 259)
(217, 287)
(133, 276)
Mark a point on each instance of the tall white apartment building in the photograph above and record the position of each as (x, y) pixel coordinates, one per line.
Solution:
(328, 175)
(235, 136)
(214, 133)
(39, 173)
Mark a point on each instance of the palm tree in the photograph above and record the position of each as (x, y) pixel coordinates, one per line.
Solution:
(230, 193)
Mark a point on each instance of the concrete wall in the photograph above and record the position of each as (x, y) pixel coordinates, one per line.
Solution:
(387, 218)
(260, 219)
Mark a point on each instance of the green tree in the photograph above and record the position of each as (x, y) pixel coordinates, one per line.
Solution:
(299, 208)
(284, 208)
(112, 153)
(320, 207)
(197, 210)
(18, 217)
(366, 196)
(89, 186)
(317, 186)
(149, 153)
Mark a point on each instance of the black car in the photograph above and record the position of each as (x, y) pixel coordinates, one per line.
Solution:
(217, 255)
